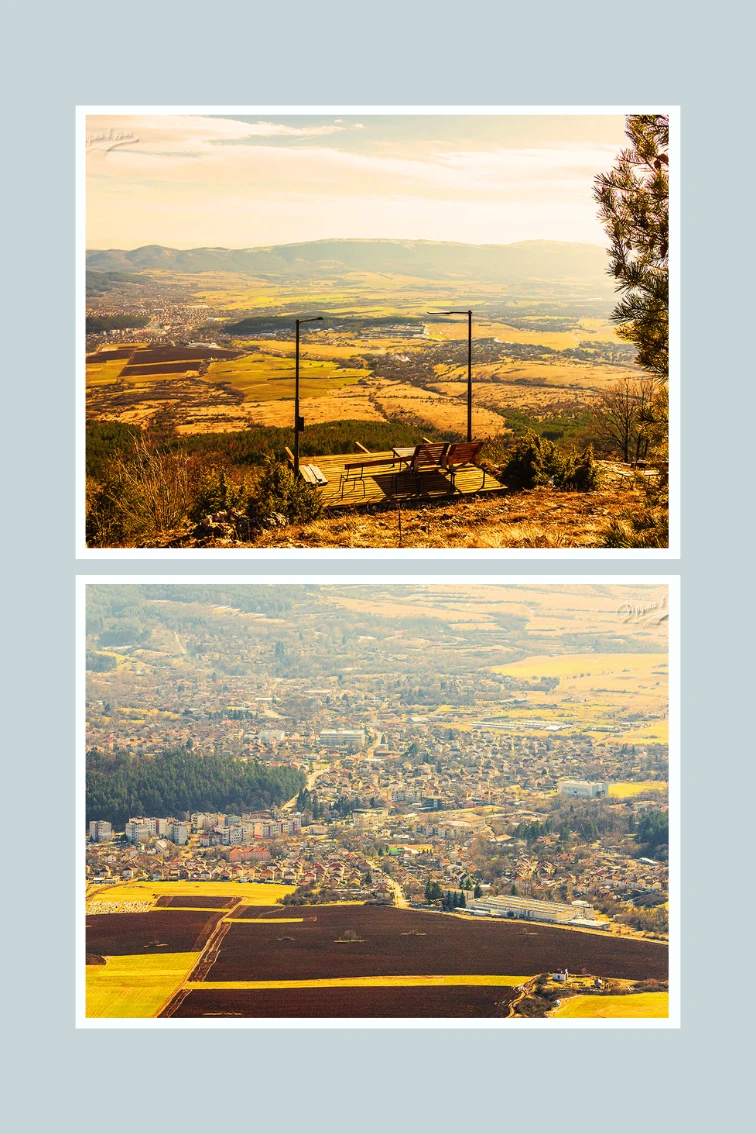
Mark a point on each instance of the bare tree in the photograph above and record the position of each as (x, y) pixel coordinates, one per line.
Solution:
(161, 481)
(624, 415)
(142, 496)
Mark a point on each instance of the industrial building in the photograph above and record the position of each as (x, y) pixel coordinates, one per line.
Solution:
(579, 914)
(583, 789)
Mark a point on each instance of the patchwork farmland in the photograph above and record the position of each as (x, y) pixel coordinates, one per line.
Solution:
(336, 961)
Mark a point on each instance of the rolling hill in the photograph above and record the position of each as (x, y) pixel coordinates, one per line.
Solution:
(528, 261)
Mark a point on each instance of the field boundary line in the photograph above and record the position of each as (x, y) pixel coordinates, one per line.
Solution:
(429, 981)
(203, 965)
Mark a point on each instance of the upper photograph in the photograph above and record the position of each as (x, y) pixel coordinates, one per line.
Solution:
(407, 331)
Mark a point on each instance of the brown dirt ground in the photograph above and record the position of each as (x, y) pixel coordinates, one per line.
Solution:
(165, 931)
(395, 942)
(474, 1001)
(247, 912)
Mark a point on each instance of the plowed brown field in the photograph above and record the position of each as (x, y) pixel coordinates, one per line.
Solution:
(355, 1003)
(395, 942)
(164, 931)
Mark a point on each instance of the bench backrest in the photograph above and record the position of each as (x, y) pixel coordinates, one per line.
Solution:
(367, 464)
(430, 455)
(463, 453)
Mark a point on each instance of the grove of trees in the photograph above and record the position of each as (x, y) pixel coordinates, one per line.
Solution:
(123, 784)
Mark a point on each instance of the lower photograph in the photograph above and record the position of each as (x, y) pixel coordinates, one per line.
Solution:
(376, 801)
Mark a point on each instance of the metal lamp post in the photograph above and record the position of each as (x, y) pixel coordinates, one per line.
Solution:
(299, 421)
(469, 363)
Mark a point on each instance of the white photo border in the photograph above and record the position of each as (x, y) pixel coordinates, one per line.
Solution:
(362, 554)
(672, 582)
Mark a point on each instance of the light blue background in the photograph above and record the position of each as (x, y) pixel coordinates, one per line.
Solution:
(391, 53)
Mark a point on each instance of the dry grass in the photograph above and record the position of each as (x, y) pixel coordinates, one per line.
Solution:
(396, 399)
(347, 404)
(540, 517)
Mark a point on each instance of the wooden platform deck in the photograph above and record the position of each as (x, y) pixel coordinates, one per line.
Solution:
(388, 482)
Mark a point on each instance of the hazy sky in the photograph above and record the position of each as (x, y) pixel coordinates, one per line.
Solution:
(189, 180)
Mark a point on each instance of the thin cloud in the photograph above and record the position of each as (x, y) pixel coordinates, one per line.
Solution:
(196, 136)
(189, 180)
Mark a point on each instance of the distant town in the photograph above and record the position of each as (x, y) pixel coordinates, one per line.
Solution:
(475, 791)
(324, 857)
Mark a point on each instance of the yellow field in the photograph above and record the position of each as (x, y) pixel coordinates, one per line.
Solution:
(578, 665)
(252, 893)
(368, 982)
(135, 986)
(129, 711)
(636, 1005)
(268, 377)
(587, 330)
(596, 690)
(104, 373)
(625, 789)
(657, 733)
(333, 348)
(560, 376)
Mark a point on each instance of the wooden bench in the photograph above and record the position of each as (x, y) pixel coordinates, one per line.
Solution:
(421, 458)
(429, 456)
(463, 454)
(313, 475)
(355, 471)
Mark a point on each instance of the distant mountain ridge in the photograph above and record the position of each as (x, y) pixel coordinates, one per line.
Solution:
(422, 259)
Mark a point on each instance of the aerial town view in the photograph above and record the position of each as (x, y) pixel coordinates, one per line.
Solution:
(376, 801)
(371, 331)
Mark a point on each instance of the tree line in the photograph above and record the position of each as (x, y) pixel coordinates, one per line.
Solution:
(123, 784)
